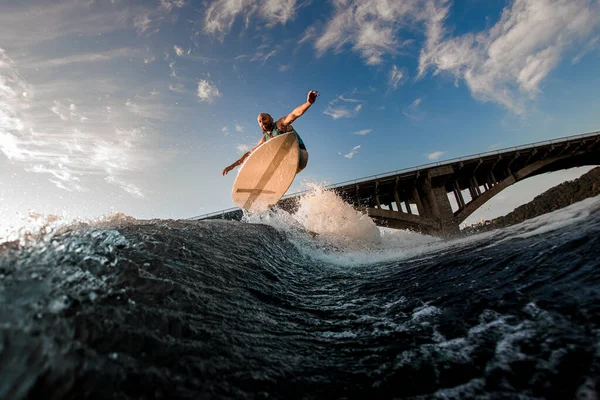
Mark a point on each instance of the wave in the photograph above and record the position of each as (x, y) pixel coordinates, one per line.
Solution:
(286, 306)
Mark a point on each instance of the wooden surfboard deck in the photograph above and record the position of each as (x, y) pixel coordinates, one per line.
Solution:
(267, 174)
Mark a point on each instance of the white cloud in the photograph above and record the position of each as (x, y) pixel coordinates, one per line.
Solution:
(148, 107)
(27, 24)
(66, 113)
(284, 68)
(64, 177)
(225, 131)
(11, 146)
(168, 5)
(435, 155)
(348, 100)
(142, 23)
(69, 186)
(588, 48)
(66, 149)
(221, 14)
(172, 73)
(133, 107)
(12, 103)
(262, 56)
(413, 111)
(341, 111)
(278, 11)
(395, 78)
(507, 63)
(336, 110)
(207, 91)
(179, 50)
(370, 27)
(352, 152)
(146, 20)
(309, 34)
(58, 109)
(128, 187)
(239, 128)
(363, 132)
(85, 58)
(242, 148)
(177, 87)
(149, 17)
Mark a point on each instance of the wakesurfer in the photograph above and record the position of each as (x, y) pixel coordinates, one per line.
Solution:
(283, 125)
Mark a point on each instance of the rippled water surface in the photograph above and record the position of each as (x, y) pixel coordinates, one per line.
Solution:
(130, 309)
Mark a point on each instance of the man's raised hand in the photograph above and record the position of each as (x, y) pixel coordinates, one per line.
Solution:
(312, 96)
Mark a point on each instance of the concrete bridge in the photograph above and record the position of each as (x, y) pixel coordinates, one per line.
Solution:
(419, 198)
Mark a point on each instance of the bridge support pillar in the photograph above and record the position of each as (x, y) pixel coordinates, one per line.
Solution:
(492, 179)
(458, 194)
(446, 216)
(474, 188)
(430, 209)
(436, 205)
(407, 204)
(417, 199)
(397, 200)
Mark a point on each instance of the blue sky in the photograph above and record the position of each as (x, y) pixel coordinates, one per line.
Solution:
(137, 106)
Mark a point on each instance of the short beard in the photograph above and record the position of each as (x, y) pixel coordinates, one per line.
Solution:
(268, 128)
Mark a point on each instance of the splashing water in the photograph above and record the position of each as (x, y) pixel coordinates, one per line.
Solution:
(29, 226)
(324, 214)
(326, 228)
(36, 226)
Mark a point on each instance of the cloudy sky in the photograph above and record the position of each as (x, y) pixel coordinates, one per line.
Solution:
(137, 106)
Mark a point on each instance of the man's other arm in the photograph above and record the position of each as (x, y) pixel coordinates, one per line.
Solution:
(243, 158)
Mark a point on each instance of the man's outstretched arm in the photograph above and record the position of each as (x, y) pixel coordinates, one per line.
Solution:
(298, 111)
(243, 158)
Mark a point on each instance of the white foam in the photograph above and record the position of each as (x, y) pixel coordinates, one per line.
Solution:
(337, 335)
(560, 219)
(58, 304)
(30, 225)
(328, 229)
(422, 313)
(325, 213)
(347, 238)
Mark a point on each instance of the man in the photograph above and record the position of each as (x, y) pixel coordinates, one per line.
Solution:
(283, 125)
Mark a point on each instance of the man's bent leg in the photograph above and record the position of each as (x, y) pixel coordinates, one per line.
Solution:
(303, 160)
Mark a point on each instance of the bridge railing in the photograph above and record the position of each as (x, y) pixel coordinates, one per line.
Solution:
(466, 158)
(421, 167)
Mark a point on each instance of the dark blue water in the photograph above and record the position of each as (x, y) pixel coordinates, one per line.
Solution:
(128, 309)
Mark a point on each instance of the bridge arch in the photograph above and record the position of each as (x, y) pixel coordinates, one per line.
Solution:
(526, 172)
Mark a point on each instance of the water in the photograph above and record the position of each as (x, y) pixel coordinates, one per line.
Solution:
(314, 305)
